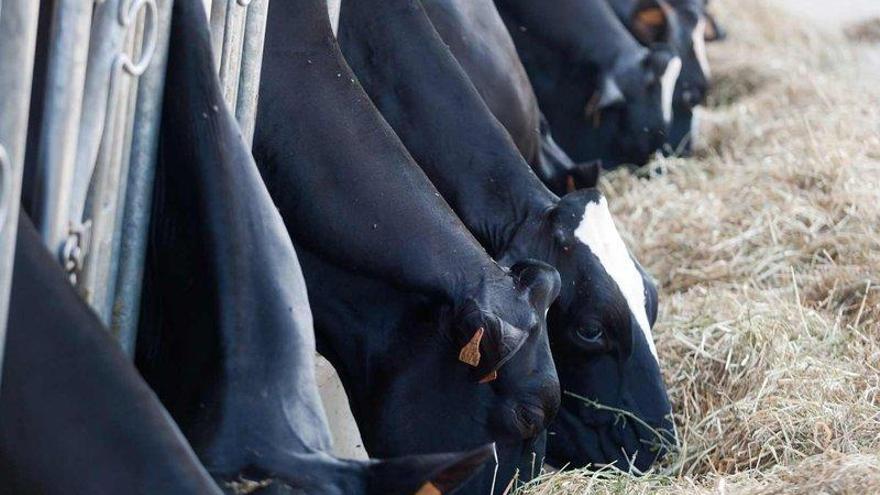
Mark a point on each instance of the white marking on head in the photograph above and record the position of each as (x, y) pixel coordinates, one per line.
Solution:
(699, 40)
(667, 87)
(333, 7)
(598, 232)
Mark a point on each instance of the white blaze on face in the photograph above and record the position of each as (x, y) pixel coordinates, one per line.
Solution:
(598, 232)
(667, 87)
(699, 40)
(333, 7)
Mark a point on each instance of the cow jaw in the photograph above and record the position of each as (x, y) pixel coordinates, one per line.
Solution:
(699, 44)
(667, 87)
(598, 232)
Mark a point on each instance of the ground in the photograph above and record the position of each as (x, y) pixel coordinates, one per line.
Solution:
(767, 252)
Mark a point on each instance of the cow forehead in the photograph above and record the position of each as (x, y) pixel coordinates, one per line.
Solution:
(699, 44)
(667, 87)
(598, 232)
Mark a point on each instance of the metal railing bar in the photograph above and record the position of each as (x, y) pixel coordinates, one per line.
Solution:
(111, 164)
(18, 35)
(111, 277)
(65, 83)
(231, 50)
(138, 199)
(251, 66)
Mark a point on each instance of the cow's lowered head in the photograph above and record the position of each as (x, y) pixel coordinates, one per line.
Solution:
(632, 104)
(418, 389)
(600, 334)
(685, 26)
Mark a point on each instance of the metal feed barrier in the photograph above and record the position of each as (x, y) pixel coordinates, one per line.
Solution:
(18, 33)
(98, 135)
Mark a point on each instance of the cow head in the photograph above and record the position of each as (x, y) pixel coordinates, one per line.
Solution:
(600, 334)
(684, 26)
(633, 102)
(409, 388)
(681, 25)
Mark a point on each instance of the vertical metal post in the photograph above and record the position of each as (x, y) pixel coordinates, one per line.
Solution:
(18, 34)
(65, 81)
(231, 49)
(251, 66)
(135, 221)
(238, 29)
(132, 52)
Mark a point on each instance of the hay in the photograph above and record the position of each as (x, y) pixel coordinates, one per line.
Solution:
(767, 253)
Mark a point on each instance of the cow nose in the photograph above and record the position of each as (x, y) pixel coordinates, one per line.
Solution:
(530, 420)
(693, 96)
(526, 415)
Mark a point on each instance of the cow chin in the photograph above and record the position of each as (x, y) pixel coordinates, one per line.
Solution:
(613, 420)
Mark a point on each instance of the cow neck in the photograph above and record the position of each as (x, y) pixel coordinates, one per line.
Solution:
(358, 197)
(357, 316)
(62, 368)
(431, 104)
(224, 292)
(476, 34)
(588, 31)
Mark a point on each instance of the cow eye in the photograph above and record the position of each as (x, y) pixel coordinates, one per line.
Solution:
(590, 338)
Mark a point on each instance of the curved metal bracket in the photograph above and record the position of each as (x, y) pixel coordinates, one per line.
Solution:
(126, 17)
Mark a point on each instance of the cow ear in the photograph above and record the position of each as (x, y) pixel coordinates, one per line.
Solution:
(433, 474)
(486, 342)
(540, 281)
(584, 175)
(609, 94)
(650, 22)
(714, 31)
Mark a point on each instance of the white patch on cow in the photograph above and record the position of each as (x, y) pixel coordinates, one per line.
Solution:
(333, 7)
(598, 232)
(347, 442)
(667, 87)
(699, 40)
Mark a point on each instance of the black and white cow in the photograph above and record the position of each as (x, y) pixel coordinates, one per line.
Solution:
(397, 284)
(683, 25)
(478, 38)
(226, 336)
(605, 96)
(75, 417)
(600, 327)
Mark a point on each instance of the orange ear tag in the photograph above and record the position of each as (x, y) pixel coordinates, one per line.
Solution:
(429, 489)
(470, 353)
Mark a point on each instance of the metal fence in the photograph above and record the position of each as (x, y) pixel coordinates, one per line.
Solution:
(96, 152)
(18, 32)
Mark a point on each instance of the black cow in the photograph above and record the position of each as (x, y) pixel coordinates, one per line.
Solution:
(75, 417)
(478, 38)
(600, 327)
(605, 96)
(683, 25)
(397, 284)
(226, 335)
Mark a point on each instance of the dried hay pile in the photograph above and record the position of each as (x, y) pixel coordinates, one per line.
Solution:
(767, 251)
